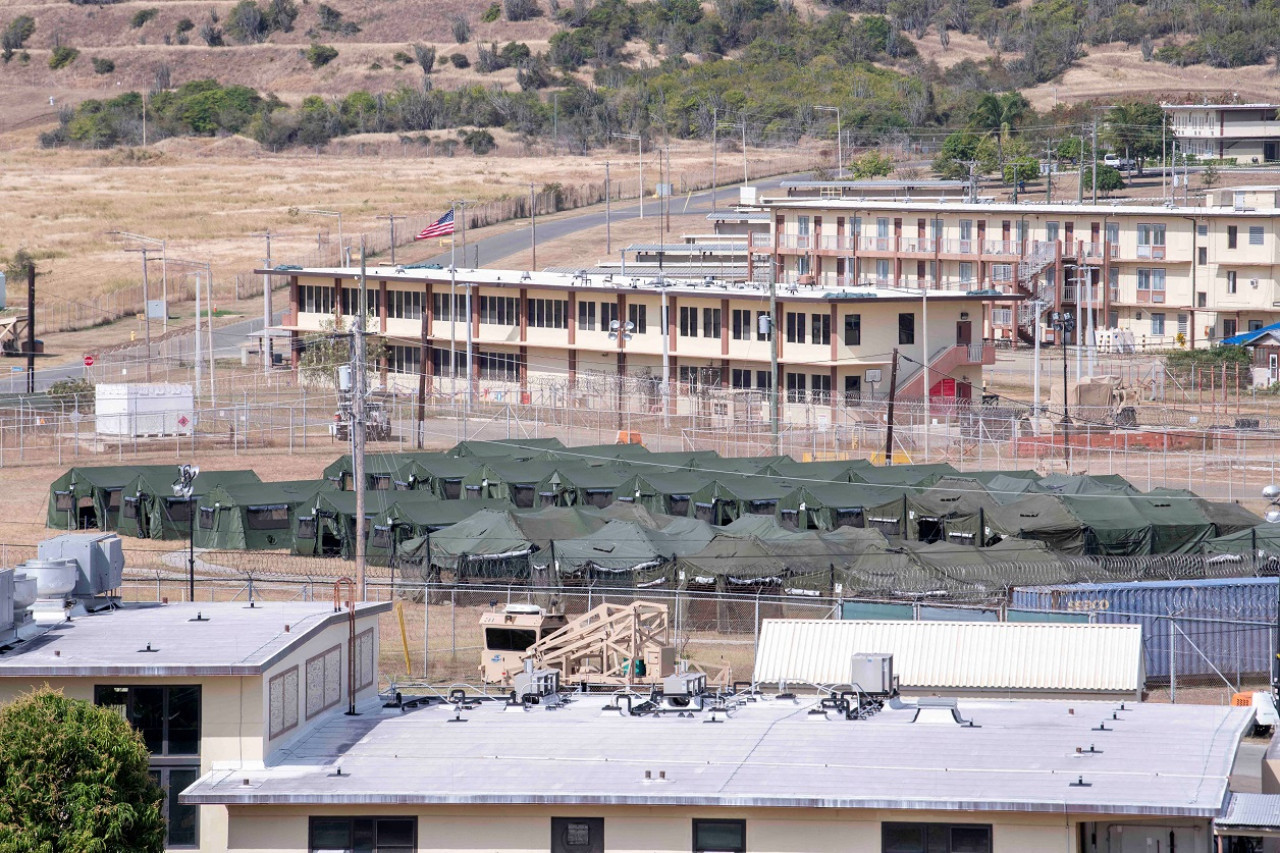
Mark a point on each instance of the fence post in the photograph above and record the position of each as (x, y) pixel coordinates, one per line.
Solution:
(1173, 666)
(426, 626)
(453, 624)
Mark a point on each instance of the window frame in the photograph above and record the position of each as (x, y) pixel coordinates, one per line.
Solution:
(312, 820)
(596, 835)
(699, 822)
(888, 826)
(906, 334)
(853, 330)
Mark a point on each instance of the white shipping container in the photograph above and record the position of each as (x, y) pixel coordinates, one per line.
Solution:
(143, 409)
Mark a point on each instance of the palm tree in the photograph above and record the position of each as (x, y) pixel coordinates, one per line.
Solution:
(999, 115)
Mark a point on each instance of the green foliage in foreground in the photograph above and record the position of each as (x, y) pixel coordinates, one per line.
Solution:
(74, 777)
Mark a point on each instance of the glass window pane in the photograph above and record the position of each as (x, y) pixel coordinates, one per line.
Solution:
(362, 838)
(395, 833)
(183, 819)
(147, 716)
(970, 839)
(184, 721)
(902, 838)
(330, 834)
(725, 835)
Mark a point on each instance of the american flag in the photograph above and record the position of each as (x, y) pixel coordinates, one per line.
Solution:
(442, 227)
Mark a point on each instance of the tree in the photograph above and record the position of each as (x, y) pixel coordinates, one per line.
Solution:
(873, 164)
(1109, 178)
(74, 777)
(1136, 129)
(1210, 176)
(330, 348)
(16, 34)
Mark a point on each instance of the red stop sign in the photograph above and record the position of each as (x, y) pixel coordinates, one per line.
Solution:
(88, 361)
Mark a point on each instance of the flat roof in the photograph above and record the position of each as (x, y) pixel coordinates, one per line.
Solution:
(229, 639)
(878, 184)
(1220, 106)
(585, 280)
(1014, 211)
(738, 216)
(1251, 811)
(1020, 755)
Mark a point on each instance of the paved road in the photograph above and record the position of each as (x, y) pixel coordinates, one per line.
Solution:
(499, 246)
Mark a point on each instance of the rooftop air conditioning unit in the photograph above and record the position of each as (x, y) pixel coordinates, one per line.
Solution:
(872, 673)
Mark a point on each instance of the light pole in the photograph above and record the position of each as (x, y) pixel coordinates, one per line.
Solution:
(1272, 494)
(294, 211)
(1064, 324)
(640, 139)
(184, 487)
(1038, 307)
(164, 265)
(839, 142)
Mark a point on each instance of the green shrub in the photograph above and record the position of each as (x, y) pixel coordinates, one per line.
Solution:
(491, 14)
(320, 55)
(185, 26)
(62, 56)
(401, 58)
(141, 17)
(460, 60)
(16, 34)
(103, 66)
(479, 141)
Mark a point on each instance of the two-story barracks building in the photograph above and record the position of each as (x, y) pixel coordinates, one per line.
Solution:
(534, 331)
(1202, 272)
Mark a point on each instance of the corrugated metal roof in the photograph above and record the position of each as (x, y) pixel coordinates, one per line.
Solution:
(957, 655)
(1252, 810)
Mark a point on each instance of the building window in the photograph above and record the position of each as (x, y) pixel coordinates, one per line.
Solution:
(966, 272)
(1202, 255)
(935, 838)
(821, 328)
(499, 310)
(883, 271)
(499, 366)
(168, 718)
(1002, 272)
(1232, 236)
(1183, 326)
(821, 384)
(404, 304)
(282, 702)
(795, 327)
(1228, 328)
(852, 389)
(315, 299)
(802, 265)
(741, 324)
(1151, 285)
(1002, 316)
(1113, 233)
(324, 681)
(577, 835)
(740, 379)
(1231, 281)
(796, 387)
(587, 316)
(1254, 325)
(906, 329)
(688, 322)
(853, 330)
(366, 834)
(764, 380)
(441, 306)
(711, 322)
(719, 836)
(1051, 232)
(404, 359)
(548, 313)
(638, 316)
(1150, 240)
(1202, 299)
(1157, 323)
(608, 315)
(1255, 235)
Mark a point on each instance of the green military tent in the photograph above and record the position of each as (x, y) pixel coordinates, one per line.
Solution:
(827, 506)
(252, 516)
(150, 510)
(1262, 539)
(514, 448)
(1227, 517)
(1042, 517)
(91, 496)
(904, 475)
(952, 510)
(595, 485)
(504, 545)
(629, 554)
(523, 484)
(729, 497)
(664, 492)
(820, 472)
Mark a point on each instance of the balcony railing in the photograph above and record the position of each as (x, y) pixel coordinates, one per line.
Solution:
(875, 244)
(959, 247)
(835, 243)
(926, 245)
(1152, 296)
(795, 241)
(1155, 253)
(1000, 247)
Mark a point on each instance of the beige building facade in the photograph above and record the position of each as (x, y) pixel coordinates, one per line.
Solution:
(1168, 276)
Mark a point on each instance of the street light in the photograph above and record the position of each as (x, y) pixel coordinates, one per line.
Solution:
(184, 487)
(1064, 324)
(640, 139)
(839, 142)
(1272, 495)
(294, 211)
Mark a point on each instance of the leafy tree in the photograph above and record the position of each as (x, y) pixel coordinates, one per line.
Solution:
(1136, 129)
(1210, 176)
(957, 148)
(103, 66)
(78, 392)
(461, 28)
(74, 777)
(330, 348)
(426, 57)
(62, 56)
(16, 34)
(1109, 178)
(320, 55)
(141, 17)
(521, 10)
(479, 141)
(245, 24)
(873, 164)
(491, 14)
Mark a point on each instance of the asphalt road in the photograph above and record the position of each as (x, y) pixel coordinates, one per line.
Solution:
(495, 248)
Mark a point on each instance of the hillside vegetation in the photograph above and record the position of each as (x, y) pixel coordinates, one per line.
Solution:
(289, 73)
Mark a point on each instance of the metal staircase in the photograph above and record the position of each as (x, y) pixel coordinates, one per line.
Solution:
(1027, 281)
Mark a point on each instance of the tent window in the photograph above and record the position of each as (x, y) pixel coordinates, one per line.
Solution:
(130, 507)
(891, 526)
(380, 482)
(473, 493)
(851, 517)
(206, 518)
(381, 537)
(546, 499)
(401, 486)
(790, 519)
(452, 489)
(275, 517)
(600, 497)
(523, 497)
(702, 511)
(766, 507)
(307, 527)
(63, 502)
(679, 504)
(113, 498)
(509, 639)
(179, 509)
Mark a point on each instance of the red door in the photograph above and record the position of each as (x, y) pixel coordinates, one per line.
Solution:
(964, 333)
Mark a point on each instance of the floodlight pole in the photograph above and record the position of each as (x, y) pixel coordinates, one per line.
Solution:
(357, 427)
(1272, 495)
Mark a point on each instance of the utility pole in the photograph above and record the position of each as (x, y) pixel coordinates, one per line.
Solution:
(391, 218)
(266, 311)
(357, 425)
(555, 122)
(533, 231)
(1038, 307)
(1080, 172)
(924, 349)
(1093, 172)
(608, 213)
(31, 328)
(422, 370)
(893, 393)
(199, 368)
(1048, 178)
(745, 179)
(146, 306)
(670, 189)
(715, 127)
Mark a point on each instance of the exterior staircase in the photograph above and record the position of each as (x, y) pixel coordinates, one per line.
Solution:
(1027, 283)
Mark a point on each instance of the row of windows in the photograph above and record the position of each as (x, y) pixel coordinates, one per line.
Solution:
(587, 835)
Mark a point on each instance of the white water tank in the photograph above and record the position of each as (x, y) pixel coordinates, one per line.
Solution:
(144, 409)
